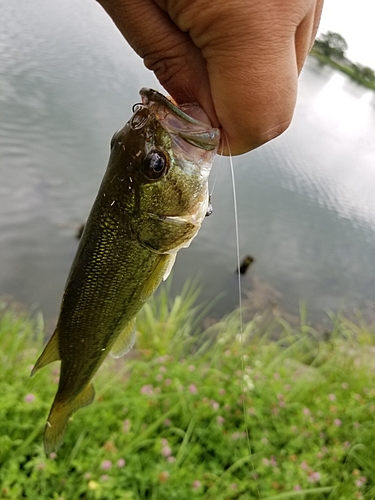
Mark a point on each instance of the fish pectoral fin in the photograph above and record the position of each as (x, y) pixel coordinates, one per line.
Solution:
(156, 276)
(171, 262)
(51, 353)
(165, 234)
(124, 341)
(59, 416)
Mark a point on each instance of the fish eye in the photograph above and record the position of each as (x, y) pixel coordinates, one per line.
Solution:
(156, 165)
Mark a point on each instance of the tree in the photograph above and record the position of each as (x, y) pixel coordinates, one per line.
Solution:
(368, 74)
(332, 45)
(364, 72)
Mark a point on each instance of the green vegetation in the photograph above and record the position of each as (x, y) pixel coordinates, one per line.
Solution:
(277, 413)
(330, 49)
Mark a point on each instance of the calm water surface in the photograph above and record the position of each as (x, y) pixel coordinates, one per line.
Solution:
(306, 201)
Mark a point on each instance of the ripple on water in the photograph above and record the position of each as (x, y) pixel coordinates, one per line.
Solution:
(329, 177)
(67, 83)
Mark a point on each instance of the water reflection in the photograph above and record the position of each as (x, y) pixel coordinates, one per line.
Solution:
(346, 114)
(305, 201)
(335, 147)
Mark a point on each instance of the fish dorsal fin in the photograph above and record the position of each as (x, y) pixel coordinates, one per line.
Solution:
(51, 353)
(124, 341)
(156, 276)
(170, 265)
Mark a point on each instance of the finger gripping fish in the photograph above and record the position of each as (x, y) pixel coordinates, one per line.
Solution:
(151, 202)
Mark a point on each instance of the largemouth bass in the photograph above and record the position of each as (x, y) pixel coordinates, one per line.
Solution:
(151, 202)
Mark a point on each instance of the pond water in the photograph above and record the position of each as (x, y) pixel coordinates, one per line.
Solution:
(306, 200)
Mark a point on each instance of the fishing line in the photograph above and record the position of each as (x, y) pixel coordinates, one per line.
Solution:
(215, 178)
(241, 334)
(237, 240)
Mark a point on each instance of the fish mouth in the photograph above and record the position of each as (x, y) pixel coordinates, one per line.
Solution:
(178, 121)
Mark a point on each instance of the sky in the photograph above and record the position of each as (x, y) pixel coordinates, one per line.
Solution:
(354, 20)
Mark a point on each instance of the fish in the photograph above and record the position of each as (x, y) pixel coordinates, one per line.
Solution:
(151, 203)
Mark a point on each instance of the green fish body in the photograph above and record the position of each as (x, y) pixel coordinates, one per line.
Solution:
(151, 202)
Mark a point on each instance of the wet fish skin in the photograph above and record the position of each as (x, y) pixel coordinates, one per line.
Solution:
(142, 215)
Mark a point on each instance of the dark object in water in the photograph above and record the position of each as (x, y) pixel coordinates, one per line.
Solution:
(246, 263)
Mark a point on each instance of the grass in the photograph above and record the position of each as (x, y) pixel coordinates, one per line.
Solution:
(282, 413)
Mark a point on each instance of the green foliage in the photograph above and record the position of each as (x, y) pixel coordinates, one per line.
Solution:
(170, 326)
(330, 49)
(363, 72)
(332, 44)
(357, 72)
(274, 412)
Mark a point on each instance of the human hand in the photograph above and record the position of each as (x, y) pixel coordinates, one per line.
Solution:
(239, 59)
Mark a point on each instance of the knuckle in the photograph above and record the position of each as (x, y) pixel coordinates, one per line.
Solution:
(165, 68)
(268, 131)
(172, 68)
(167, 54)
(276, 129)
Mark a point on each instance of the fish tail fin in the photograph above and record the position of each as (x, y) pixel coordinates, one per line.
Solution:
(50, 353)
(59, 416)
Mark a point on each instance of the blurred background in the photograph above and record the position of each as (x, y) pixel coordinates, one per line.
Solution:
(306, 201)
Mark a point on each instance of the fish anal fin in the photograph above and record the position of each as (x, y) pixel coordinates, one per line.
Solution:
(50, 353)
(156, 276)
(59, 416)
(124, 341)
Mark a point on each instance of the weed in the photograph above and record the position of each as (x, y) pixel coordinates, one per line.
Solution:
(286, 413)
